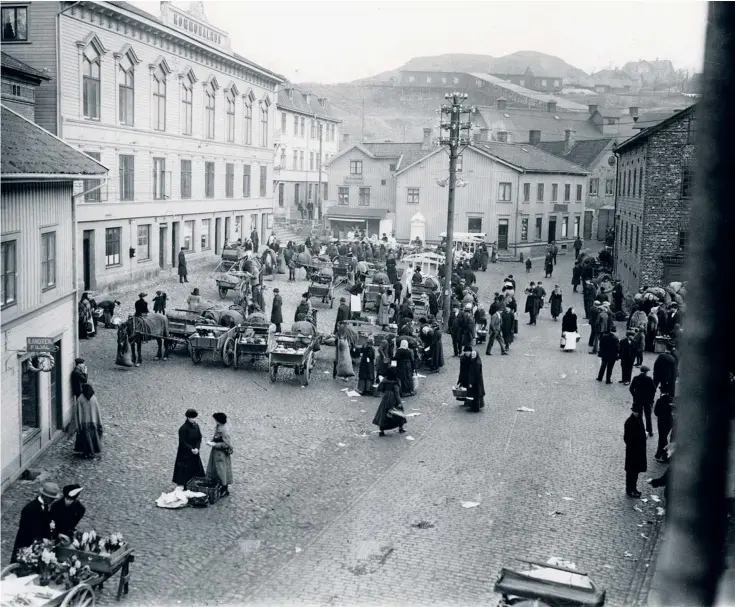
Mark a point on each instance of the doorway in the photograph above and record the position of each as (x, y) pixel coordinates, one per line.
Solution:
(162, 238)
(217, 232)
(552, 229)
(88, 259)
(264, 227)
(227, 229)
(57, 382)
(174, 243)
(502, 234)
(587, 231)
(281, 193)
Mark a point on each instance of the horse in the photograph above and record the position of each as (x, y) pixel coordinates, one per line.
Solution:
(137, 329)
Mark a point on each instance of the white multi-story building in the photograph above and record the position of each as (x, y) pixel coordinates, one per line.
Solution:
(306, 138)
(184, 124)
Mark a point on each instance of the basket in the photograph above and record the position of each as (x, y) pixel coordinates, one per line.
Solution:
(211, 488)
(460, 393)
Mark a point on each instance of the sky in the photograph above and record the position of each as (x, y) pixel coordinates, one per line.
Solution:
(344, 40)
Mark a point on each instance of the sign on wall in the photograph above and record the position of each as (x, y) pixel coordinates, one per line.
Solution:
(353, 179)
(40, 344)
(561, 208)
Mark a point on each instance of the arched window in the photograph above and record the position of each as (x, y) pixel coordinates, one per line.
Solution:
(91, 83)
(209, 98)
(264, 125)
(247, 122)
(187, 104)
(230, 100)
(159, 99)
(126, 90)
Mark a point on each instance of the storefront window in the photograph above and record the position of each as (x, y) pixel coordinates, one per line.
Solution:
(30, 406)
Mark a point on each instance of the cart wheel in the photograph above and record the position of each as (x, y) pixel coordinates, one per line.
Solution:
(228, 352)
(307, 370)
(273, 371)
(222, 292)
(234, 359)
(196, 355)
(9, 569)
(81, 595)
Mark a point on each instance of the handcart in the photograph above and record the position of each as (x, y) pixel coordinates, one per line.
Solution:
(247, 339)
(341, 267)
(209, 338)
(295, 351)
(371, 296)
(322, 285)
(550, 584)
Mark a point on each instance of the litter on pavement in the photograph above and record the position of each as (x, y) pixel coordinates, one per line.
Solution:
(298, 549)
(655, 498)
(526, 410)
(341, 445)
(568, 499)
(628, 554)
(410, 438)
(412, 414)
(644, 500)
(352, 393)
(555, 513)
(644, 536)
(637, 509)
(470, 504)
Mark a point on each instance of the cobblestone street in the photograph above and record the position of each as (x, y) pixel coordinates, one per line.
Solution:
(323, 511)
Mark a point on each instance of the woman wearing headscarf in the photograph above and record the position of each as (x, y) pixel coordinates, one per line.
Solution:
(569, 330)
(87, 423)
(388, 415)
(555, 301)
(470, 377)
(436, 361)
(384, 307)
(86, 325)
(508, 319)
(366, 371)
(219, 466)
(405, 368)
(188, 462)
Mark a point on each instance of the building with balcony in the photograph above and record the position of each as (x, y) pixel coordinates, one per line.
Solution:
(185, 125)
(306, 138)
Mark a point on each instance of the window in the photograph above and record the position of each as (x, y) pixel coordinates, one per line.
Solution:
(567, 192)
(229, 180)
(636, 240)
(48, 260)
(524, 229)
(230, 106)
(263, 125)
(635, 180)
(565, 227)
(460, 163)
(301, 160)
(209, 111)
(112, 247)
(263, 181)
(284, 118)
(205, 239)
(343, 196)
(412, 196)
(326, 192)
(691, 129)
(15, 23)
(295, 159)
(364, 197)
(313, 129)
(247, 123)
(391, 167)
(609, 187)
(30, 400)
(144, 242)
(383, 182)
(355, 167)
(159, 178)
(186, 179)
(297, 193)
(189, 235)
(126, 92)
(640, 182)
(686, 179)
(187, 103)
(526, 192)
(282, 162)
(554, 192)
(281, 194)
(683, 240)
(302, 128)
(311, 161)
(629, 183)
(209, 179)
(474, 225)
(90, 184)
(159, 99)
(576, 227)
(580, 189)
(594, 187)
(9, 273)
(539, 226)
(540, 192)
(90, 82)
(127, 177)
(504, 194)
(296, 126)
(246, 181)
(622, 191)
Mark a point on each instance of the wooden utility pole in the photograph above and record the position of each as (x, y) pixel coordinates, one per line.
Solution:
(319, 168)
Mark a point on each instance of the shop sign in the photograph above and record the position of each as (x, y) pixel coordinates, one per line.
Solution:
(561, 208)
(40, 344)
(353, 179)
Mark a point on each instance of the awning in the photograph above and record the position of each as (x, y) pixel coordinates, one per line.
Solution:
(340, 213)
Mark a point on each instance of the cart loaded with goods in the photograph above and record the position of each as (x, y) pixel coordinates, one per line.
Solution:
(322, 285)
(208, 338)
(248, 339)
(295, 351)
(67, 572)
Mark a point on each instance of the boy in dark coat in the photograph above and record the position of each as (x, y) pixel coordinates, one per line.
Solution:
(627, 357)
(588, 295)
(454, 330)
(643, 390)
(609, 348)
(183, 272)
(635, 451)
(276, 310)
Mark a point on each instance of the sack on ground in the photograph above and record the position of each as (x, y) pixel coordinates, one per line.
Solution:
(344, 360)
(124, 356)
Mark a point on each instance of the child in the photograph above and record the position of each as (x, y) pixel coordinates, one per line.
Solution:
(159, 303)
(528, 265)
(640, 341)
(390, 412)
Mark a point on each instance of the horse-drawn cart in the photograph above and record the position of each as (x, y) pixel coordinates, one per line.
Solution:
(208, 338)
(247, 339)
(371, 295)
(322, 285)
(295, 351)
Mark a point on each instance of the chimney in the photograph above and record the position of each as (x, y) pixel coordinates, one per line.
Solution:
(551, 106)
(633, 111)
(502, 136)
(501, 103)
(568, 141)
(426, 143)
(592, 107)
(345, 137)
(484, 134)
(534, 137)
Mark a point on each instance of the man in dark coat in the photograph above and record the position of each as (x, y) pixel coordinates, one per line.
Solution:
(66, 513)
(256, 240)
(35, 519)
(635, 451)
(532, 303)
(304, 307)
(183, 272)
(469, 276)
(496, 333)
(276, 310)
(454, 329)
(627, 357)
(577, 247)
(592, 315)
(609, 347)
(343, 313)
(475, 381)
(79, 377)
(664, 371)
(576, 277)
(643, 391)
(188, 462)
(588, 295)
(141, 306)
(665, 419)
(390, 268)
(465, 326)
(508, 317)
(617, 296)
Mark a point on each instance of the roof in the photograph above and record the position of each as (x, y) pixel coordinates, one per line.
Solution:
(340, 212)
(9, 62)
(297, 102)
(650, 119)
(645, 133)
(30, 151)
(519, 90)
(583, 153)
(529, 158)
(519, 121)
(408, 153)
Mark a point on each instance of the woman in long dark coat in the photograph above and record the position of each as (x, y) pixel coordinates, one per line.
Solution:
(437, 348)
(405, 368)
(366, 371)
(87, 424)
(219, 466)
(508, 318)
(555, 301)
(636, 462)
(188, 462)
(475, 383)
(390, 269)
(532, 304)
(391, 401)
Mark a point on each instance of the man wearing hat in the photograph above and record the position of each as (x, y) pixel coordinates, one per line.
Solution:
(665, 371)
(141, 306)
(188, 464)
(643, 390)
(635, 451)
(35, 519)
(592, 315)
(343, 313)
(66, 513)
(465, 325)
(276, 310)
(609, 350)
(194, 300)
(183, 271)
(627, 356)
(79, 377)
(304, 306)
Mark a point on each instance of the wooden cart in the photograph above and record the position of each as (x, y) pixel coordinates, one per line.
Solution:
(247, 339)
(295, 351)
(322, 285)
(371, 296)
(208, 338)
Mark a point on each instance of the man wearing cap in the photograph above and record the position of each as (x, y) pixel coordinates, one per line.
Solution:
(609, 349)
(276, 310)
(665, 371)
(635, 451)
(465, 326)
(643, 390)
(66, 513)
(627, 356)
(79, 377)
(188, 463)
(35, 519)
(343, 313)
(141, 306)
(183, 271)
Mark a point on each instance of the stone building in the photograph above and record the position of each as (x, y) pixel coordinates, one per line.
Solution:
(653, 202)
